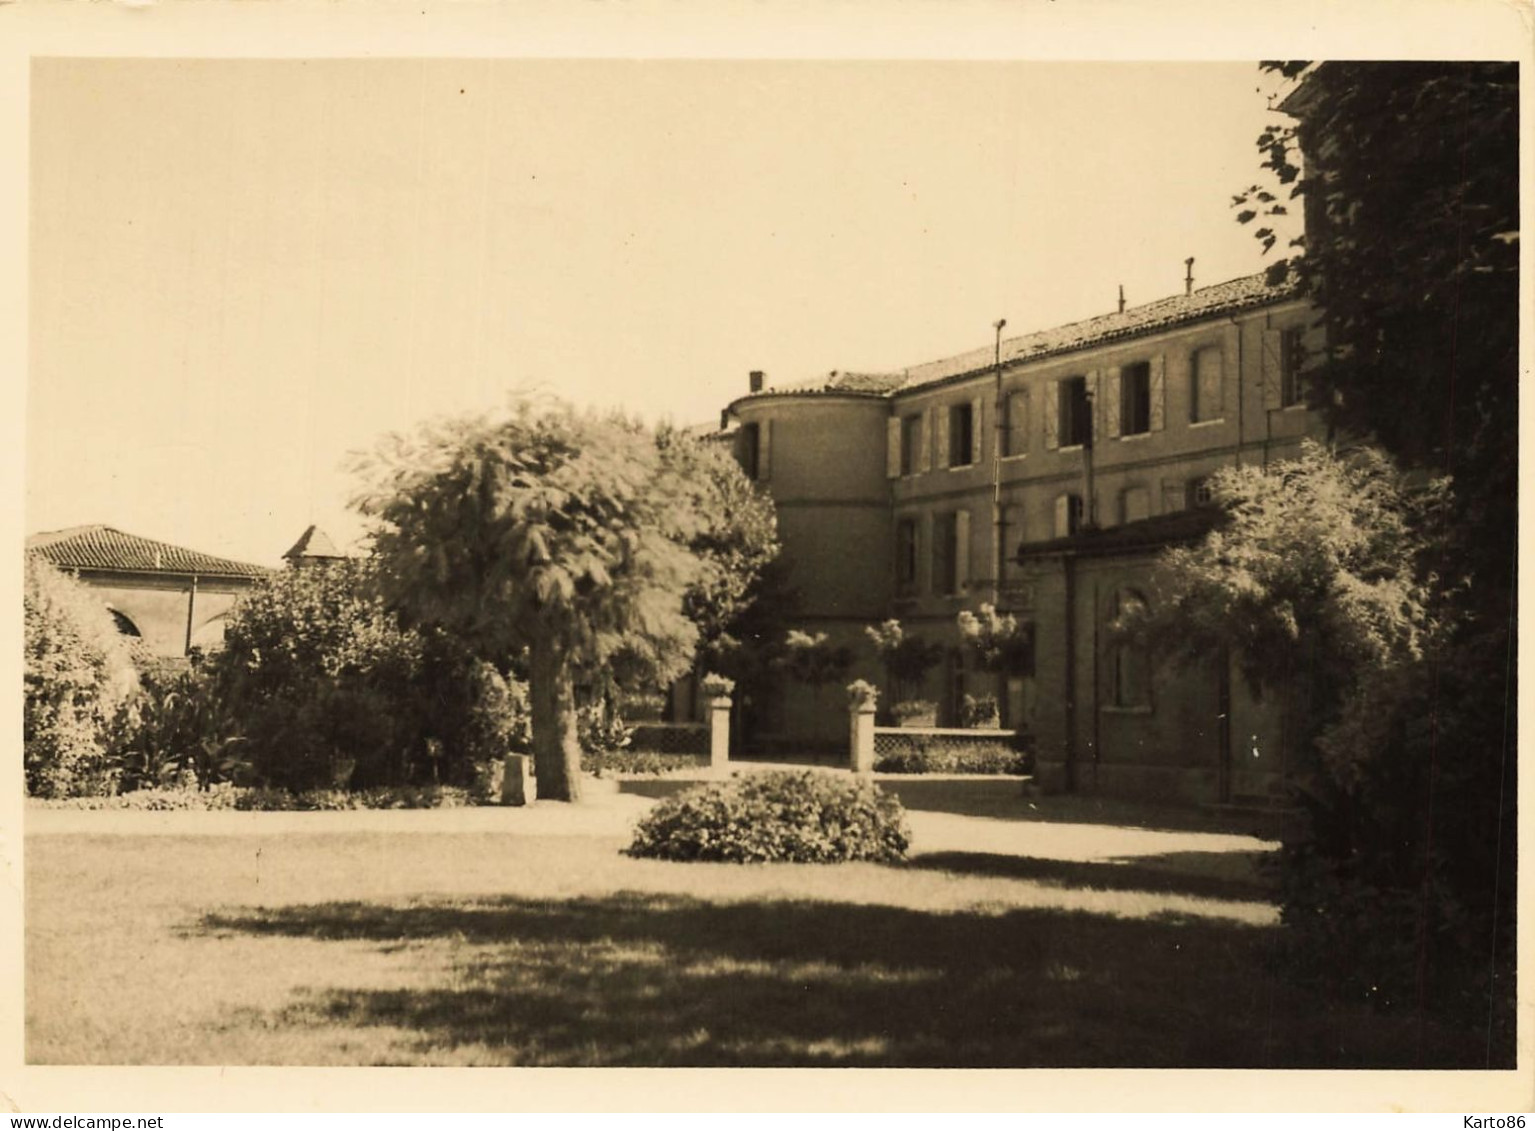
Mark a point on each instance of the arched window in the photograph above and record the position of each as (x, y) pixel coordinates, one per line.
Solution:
(1131, 665)
(124, 622)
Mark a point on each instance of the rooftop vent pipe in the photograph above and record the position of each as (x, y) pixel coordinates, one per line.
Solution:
(755, 379)
(1188, 280)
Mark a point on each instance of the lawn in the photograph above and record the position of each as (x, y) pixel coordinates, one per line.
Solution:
(322, 939)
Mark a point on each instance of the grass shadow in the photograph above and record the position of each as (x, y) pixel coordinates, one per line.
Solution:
(1207, 875)
(647, 979)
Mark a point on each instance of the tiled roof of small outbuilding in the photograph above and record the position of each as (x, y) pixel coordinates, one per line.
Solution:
(107, 548)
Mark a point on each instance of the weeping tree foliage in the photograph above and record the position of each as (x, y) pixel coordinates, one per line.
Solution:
(567, 534)
(1319, 579)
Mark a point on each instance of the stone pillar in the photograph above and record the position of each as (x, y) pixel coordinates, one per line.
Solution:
(719, 734)
(861, 726)
(518, 786)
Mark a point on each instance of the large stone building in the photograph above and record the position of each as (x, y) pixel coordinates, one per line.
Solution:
(1042, 473)
(176, 599)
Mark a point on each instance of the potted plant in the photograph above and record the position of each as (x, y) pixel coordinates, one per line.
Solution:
(716, 686)
(862, 695)
(915, 713)
(979, 711)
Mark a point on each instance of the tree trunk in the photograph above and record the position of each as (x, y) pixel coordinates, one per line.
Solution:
(556, 748)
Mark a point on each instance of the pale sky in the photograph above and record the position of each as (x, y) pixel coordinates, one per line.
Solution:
(243, 270)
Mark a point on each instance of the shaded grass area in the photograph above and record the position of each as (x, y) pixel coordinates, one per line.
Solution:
(498, 949)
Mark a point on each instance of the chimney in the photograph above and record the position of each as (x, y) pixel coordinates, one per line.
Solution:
(1188, 280)
(756, 381)
(1121, 298)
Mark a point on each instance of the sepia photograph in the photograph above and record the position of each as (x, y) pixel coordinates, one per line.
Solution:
(615, 561)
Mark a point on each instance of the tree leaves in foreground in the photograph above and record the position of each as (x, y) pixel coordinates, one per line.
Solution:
(565, 533)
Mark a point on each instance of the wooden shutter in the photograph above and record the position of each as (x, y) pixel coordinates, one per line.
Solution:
(1062, 516)
(924, 456)
(893, 448)
(765, 452)
(1273, 368)
(941, 435)
(961, 550)
(1018, 422)
(1109, 401)
(1159, 392)
(1052, 414)
(1174, 496)
(978, 430)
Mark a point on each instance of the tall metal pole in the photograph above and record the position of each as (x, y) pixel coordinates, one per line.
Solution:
(999, 430)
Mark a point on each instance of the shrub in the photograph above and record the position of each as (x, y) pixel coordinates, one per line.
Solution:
(797, 816)
(968, 758)
(331, 689)
(223, 796)
(79, 680)
(338, 800)
(637, 762)
(600, 730)
(912, 709)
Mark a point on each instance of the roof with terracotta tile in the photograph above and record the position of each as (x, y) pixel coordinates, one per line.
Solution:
(1149, 318)
(106, 548)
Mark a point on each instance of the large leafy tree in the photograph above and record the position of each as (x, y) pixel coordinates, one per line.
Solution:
(1408, 173)
(1409, 177)
(563, 533)
(737, 538)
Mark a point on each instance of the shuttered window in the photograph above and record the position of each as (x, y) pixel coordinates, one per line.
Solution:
(1207, 381)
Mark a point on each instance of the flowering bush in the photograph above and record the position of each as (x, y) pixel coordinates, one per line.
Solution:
(799, 816)
(907, 658)
(997, 640)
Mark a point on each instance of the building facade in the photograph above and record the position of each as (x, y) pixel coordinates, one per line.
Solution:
(174, 598)
(1043, 474)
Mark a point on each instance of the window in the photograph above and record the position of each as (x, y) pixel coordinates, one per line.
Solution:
(1016, 437)
(911, 437)
(906, 557)
(951, 552)
(961, 435)
(1134, 504)
(1199, 492)
(750, 454)
(1076, 425)
(1292, 358)
(1135, 399)
(1131, 669)
(945, 571)
(1206, 385)
(1068, 515)
(124, 623)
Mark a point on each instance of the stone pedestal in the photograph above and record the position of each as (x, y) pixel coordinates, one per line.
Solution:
(518, 786)
(719, 734)
(861, 727)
